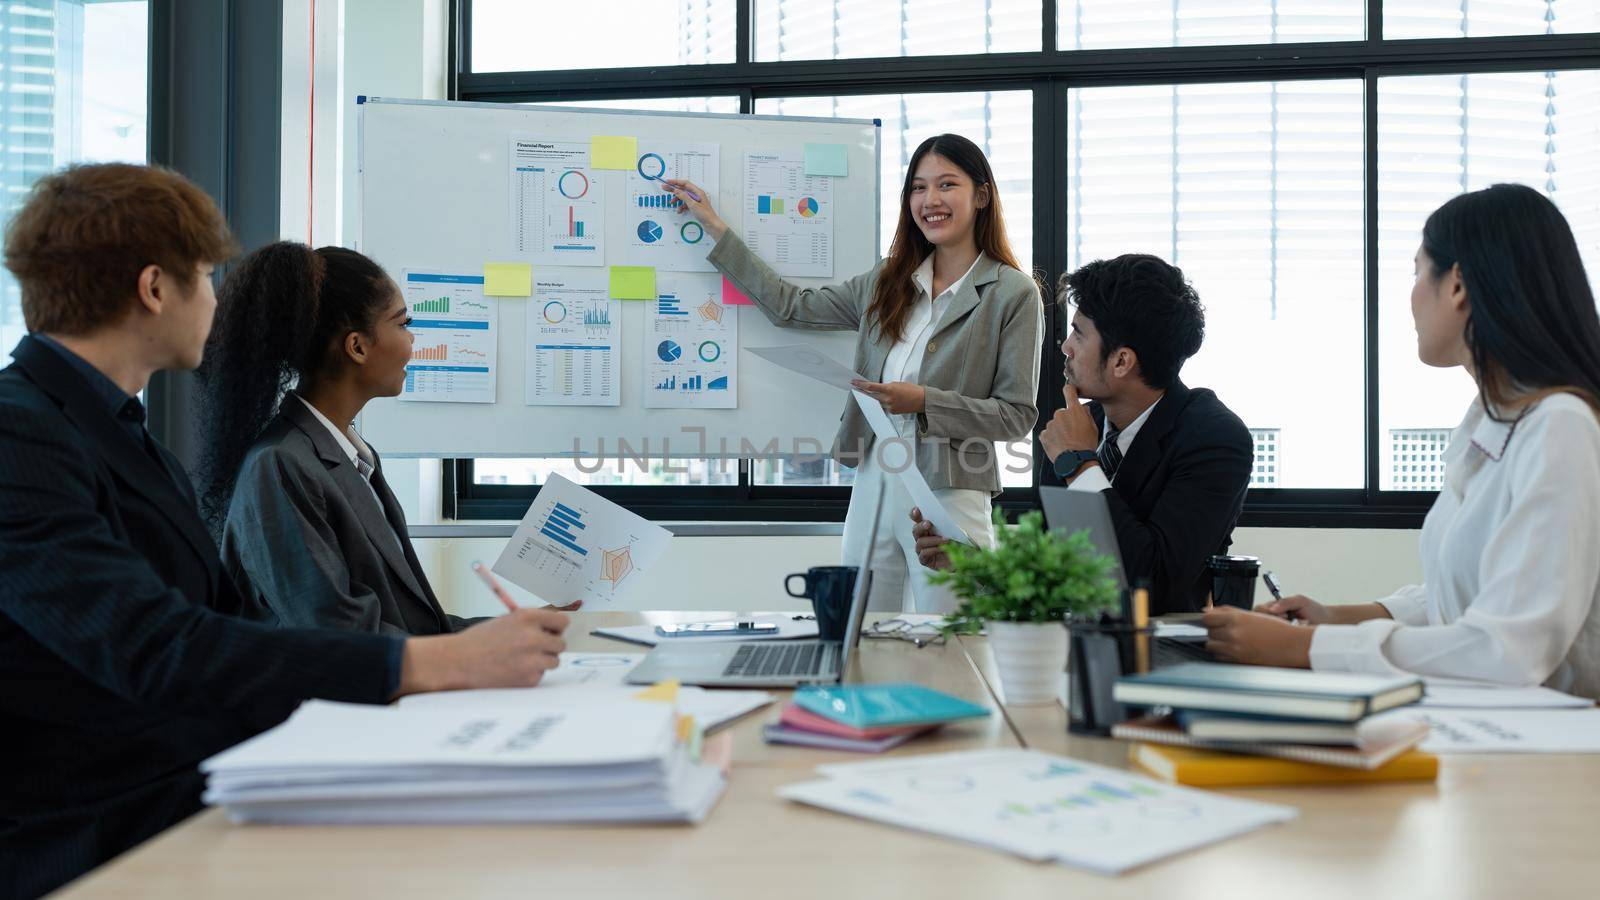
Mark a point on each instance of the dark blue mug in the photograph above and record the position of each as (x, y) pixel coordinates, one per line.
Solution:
(830, 590)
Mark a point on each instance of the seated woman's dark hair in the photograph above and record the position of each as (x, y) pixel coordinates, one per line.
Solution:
(1531, 323)
(282, 314)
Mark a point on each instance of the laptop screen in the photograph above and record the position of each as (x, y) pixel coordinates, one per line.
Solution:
(1068, 511)
(863, 592)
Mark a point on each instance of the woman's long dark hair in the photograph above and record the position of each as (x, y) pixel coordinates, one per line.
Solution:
(894, 294)
(280, 314)
(1531, 325)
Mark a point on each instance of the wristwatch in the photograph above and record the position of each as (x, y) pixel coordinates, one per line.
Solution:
(1067, 463)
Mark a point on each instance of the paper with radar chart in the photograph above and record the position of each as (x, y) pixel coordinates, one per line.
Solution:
(691, 346)
(575, 545)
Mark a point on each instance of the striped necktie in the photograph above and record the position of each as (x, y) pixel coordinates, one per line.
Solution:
(1110, 454)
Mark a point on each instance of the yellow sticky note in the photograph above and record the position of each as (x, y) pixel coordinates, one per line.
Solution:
(507, 279)
(612, 152)
(633, 282)
(664, 691)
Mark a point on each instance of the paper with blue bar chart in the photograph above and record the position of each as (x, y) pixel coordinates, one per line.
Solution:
(659, 233)
(574, 545)
(455, 333)
(557, 203)
(788, 215)
(691, 346)
(1038, 806)
(574, 333)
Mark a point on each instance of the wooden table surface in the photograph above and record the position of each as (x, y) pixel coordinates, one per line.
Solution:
(1491, 826)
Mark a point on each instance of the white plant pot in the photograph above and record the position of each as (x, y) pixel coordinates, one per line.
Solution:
(1031, 658)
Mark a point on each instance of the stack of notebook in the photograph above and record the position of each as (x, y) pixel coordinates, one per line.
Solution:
(1215, 725)
(867, 718)
(600, 761)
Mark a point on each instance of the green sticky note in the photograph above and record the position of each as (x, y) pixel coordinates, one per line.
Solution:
(633, 282)
(612, 152)
(507, 279)
(827, 159)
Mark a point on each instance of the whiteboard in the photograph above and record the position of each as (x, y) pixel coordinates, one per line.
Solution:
(435, 195)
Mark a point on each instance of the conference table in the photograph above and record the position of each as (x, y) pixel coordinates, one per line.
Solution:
(1491, 826)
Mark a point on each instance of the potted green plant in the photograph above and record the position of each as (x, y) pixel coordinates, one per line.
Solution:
(1024, 590)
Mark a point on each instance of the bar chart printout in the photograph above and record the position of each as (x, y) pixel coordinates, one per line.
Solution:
(690, 346)
(575, 545)
(788, 215)
(557, 208)
(573, 334)
(455, 333)
(659, 234)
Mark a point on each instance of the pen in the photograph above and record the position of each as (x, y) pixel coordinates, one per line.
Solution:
(494, 585)
(1277, 592)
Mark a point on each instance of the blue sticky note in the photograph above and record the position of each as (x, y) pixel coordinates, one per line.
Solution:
(827, 159)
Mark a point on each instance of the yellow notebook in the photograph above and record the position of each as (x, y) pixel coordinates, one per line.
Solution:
(1209, 768)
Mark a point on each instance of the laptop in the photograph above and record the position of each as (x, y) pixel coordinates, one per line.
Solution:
(1068, 511)
(762, 663)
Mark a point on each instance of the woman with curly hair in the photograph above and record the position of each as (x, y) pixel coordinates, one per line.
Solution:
(306, 520)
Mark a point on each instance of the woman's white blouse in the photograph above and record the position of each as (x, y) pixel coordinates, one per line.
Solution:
(1510, 561)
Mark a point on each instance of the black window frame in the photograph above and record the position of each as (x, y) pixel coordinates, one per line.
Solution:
(1048, 73)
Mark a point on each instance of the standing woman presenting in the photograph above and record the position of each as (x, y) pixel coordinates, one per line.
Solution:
(948, 325)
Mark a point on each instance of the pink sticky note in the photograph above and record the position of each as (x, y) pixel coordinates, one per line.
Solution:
(732, 296)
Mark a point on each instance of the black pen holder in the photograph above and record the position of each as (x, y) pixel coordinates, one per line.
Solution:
(1099, 654)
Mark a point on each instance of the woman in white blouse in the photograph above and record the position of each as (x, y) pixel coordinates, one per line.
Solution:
(1511, 548)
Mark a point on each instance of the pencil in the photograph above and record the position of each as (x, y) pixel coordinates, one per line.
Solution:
(494, 585)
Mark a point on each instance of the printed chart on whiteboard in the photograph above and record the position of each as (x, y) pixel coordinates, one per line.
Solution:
(691, 346)
(575, 545)
(788, 215)
(574, 334)
(557, 203)
(660, 234)
(455, 332)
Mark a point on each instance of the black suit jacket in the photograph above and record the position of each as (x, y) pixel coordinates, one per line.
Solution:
(317, 547)
(1178, 493)
(123, 658)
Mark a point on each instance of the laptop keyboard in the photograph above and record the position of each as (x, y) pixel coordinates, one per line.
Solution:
(1170, 652)
(776, 660)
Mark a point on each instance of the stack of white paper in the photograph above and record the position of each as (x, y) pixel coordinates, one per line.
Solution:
(1038, 806)
(607, 760)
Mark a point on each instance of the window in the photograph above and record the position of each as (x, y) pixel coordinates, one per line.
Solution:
(1481, 18)
(1099, 24)
(1232, 137)
(1268, 468)
(1001, 123)
(1417, 458)
(1440, 135)
(658, 104)
(516, 35)
(1255, 191)
(845, 29)
(72, 89)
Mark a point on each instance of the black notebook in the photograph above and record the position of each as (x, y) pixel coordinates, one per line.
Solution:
(1265, 691)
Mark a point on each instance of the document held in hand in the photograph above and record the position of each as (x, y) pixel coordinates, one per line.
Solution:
(574, 544)
(814, 364)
